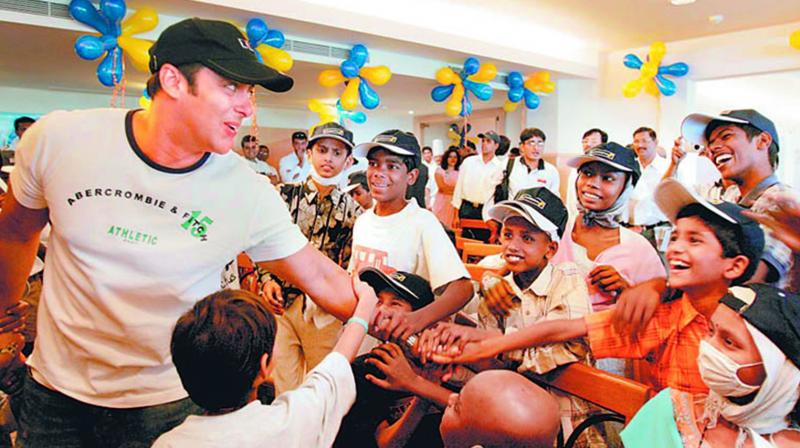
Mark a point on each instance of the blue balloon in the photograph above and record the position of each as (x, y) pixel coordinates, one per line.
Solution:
(275, 39)
(256, 31)
(471, 66)
(515, 80)
(369, 97)
(359, 55)
(466, 106)
(481, 90)
(632, 61)
(110, 70)
(114, 12)
(441, 93)
(515, 94)
(349, 69)
(357, 117)
(83, 11)
(676, 69)
(531, 99)
(89, 47)
(665, 86)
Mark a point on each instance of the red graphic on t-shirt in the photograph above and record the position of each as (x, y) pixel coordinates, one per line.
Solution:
(367, 257)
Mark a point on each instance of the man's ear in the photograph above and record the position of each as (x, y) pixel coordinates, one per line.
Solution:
(735, 267)
(172, 80)
(552, 249)
(763, 141)
(412, 176)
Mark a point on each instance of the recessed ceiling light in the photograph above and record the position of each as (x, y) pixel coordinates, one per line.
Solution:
(716, 19)
(411, 112)
(681, 2)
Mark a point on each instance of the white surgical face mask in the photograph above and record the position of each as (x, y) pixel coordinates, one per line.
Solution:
(325, 181)
(719, 372)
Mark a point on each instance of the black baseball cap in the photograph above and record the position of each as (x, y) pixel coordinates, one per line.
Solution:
(539, 206)
(696, 128)
(394, 141)
(612, 154)
(219, 46)
(332, 130)
(774, 312)
(671, 196)
(355, 179)
(491, 135)
(299, 135)
(409, 287)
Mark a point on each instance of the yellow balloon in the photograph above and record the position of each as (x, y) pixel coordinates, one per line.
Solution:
(509, 106)
(458, 93)
(446, 76)
(144, 103)
(541, 77)
(794, 39)
(330, 78)
(350, 96)
(651, 88)
(143, 20)
(276, 58)
(452, 107)
(632, 88)
(316, 106)
(657, 51)
(532, 84)
(137, 51)
(548, 87)
(486, 73)
(649, 69)
(376, 75)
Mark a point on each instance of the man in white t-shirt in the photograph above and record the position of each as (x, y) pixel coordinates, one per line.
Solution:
(250, 150)
(398, 235)
(147, 207)
(477, 179)
(430, 188)
(591, 138)
(271, 172)
(294, 168)
(643, 213)
(530, 170)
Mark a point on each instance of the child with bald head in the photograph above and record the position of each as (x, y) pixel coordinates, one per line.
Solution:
(500, 408)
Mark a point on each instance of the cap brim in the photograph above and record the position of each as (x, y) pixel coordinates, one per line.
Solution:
(349, 188)
(577, 162)
(347, 142)
(380, 281)
(507, 209)
(672, 196)
(362, 149)
(693, 128)
(251, 72)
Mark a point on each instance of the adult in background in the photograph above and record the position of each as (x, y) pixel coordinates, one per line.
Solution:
(446, 179)
(642, 213)
(141, 234)
(294, 167)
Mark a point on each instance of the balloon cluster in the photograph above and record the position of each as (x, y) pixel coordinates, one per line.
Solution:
(337, 113)
(794, 39)
(472, 78)
(115, 36)
(652, 75)
(357, 78)
(267, 43)
(458, 134)
(520, 88)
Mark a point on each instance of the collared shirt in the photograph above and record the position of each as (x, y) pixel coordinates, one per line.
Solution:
(669, 343)
(559, 292)
(290, 169)
(261, 167)
(476, 180)
(642, 209)
(522, 177)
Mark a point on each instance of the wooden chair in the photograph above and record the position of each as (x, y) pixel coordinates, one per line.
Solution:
(460, 241)
(473, 224)
(476, 272)
(479, 250)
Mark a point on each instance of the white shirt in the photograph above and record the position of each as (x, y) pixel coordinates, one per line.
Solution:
(133, 246)
(261, 167)
(477, 180)
(642, 206)
(307, 417)
(290, 169)
(431, 185)
(521, 178)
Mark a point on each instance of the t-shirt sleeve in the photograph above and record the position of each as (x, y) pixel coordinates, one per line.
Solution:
(32, 157)
(318, 406)
(440, 256)
(272, 234)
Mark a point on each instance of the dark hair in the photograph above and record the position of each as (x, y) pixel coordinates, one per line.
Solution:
(648, 130)
(217, 348)
(187, 70)
(471, 145)
(505, 143)
(529, 133)
(726, 233)
(452, 147)
(751, 132)
(22, 120)
(514, 152)
(248, 138)
(603, 135)
(446, 155)
(427, 148)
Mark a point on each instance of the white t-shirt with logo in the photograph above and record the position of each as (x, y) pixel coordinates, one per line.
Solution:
(133, 246)
(412, 240)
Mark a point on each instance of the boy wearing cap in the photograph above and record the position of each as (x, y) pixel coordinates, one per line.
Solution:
(325, 215)
(398, 235)
(713, 247)
(294, 167)
(358, 189)
(139, 235)
(477, 179)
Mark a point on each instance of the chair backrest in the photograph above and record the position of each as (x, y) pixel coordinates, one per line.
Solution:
(479, 250)
(460, 241)
(476, 272)
(612, 392)
(473, 224)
